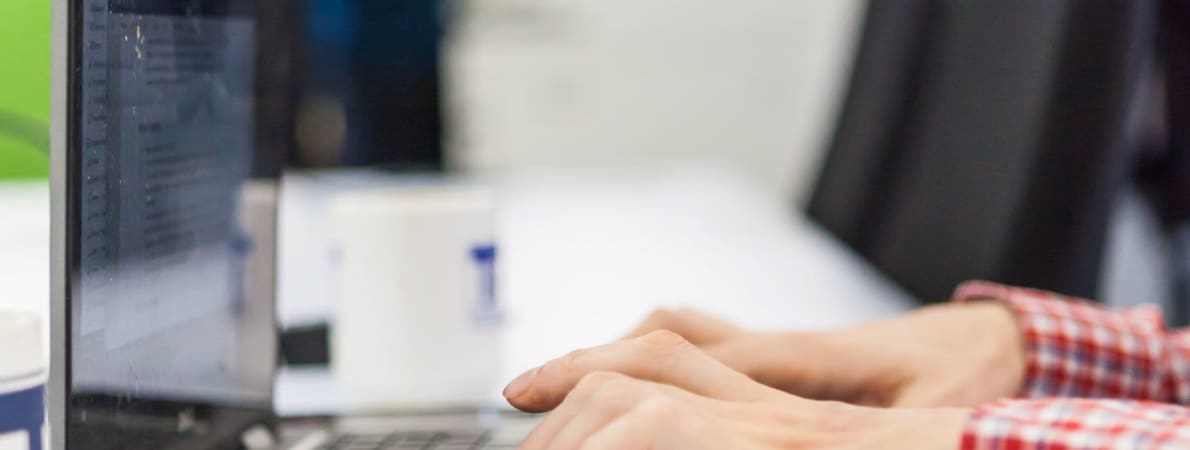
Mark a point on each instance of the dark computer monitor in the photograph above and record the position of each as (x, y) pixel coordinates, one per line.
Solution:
(165, 165)
(369, 91)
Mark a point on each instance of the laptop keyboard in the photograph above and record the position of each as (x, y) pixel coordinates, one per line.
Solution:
(418, 440)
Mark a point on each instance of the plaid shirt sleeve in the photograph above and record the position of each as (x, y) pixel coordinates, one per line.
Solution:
(1094, 378)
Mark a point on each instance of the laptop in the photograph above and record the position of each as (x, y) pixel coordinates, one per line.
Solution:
(167, 142)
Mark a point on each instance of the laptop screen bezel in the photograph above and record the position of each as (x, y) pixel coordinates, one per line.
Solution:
(65, 186)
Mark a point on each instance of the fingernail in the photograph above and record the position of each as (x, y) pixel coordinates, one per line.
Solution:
(521, 384)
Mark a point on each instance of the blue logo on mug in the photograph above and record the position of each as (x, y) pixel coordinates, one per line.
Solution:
(487, 311)
(24, 411)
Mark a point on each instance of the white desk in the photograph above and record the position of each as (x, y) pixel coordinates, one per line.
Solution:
(585, 254)
(589, 254)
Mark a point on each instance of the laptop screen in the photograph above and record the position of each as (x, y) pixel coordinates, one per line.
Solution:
(172, 205)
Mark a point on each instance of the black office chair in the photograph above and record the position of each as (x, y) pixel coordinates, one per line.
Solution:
(986, 139)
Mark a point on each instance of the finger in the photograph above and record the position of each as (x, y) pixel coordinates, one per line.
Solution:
(612, 400)
(654, 425)
(812, 365)
(629, 432)
(660, 356)
(597, 399)
(797, 366)
(578, 401)
(696, 327)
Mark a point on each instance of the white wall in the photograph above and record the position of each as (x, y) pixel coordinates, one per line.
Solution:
(581, 83)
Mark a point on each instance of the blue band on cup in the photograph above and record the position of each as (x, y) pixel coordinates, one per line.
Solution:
(24, 411)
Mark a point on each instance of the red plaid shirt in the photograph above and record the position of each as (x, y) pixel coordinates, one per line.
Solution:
(1095, 379)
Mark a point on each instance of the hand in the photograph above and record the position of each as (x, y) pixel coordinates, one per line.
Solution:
(660, 392)
(948, 355)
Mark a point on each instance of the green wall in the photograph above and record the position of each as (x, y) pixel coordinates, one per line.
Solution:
(24, 88)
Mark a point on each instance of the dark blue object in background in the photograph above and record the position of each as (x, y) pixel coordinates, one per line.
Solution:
(377, 60)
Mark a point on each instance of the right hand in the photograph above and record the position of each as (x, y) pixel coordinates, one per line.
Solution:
(950, 355)
(659, 392)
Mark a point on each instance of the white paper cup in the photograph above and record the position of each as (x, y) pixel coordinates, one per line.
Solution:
(22, 382)
(418, 322)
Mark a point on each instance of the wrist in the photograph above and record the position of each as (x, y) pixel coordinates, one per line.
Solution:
(924, 429)
(1004, 347)
(856, 427)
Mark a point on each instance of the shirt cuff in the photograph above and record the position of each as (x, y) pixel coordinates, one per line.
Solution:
(1077, 424)
(1077, 349)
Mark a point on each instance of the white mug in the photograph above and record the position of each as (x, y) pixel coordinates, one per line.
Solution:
(418, 323)
(22, 382)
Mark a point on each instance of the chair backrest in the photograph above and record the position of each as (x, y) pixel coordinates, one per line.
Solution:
(985, 139)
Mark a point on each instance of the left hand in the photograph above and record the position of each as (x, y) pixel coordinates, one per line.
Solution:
(660, 392)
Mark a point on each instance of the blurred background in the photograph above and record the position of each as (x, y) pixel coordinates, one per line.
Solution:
(925, 142)
(25, 90)
(493, 86)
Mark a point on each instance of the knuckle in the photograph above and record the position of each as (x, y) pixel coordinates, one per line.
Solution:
(659, 408)
(619, 388)
(665, 341)
(572, 360)
(595, 380)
